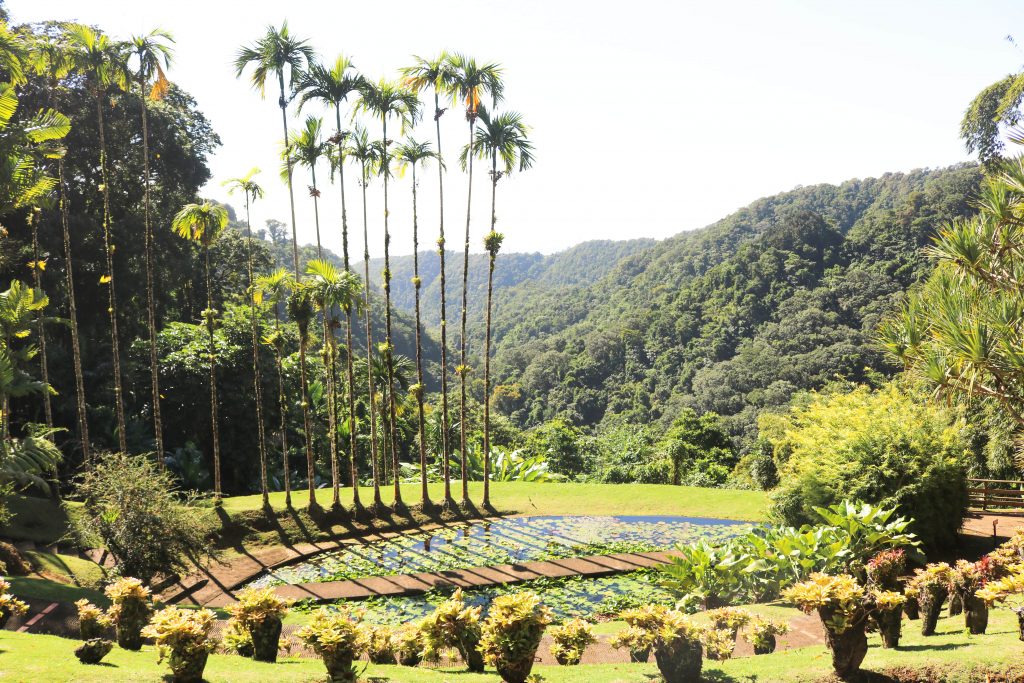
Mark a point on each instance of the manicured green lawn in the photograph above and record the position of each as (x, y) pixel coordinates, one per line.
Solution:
(41, 520)
(956, 656)
(75, 570)
(533, 498)
(44, 589)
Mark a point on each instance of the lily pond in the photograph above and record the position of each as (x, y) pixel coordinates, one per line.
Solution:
(502, 541)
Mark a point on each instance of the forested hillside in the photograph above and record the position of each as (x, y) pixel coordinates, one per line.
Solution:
(785, 294)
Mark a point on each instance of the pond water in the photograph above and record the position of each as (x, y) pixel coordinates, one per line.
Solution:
(502, 541)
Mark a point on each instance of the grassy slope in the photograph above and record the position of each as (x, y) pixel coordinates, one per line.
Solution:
(958, 656)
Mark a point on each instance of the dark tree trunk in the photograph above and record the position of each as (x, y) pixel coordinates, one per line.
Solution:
(390, 357)
(154, 363)
(257, 375)
(464, 367)
(424, 494)
(369, 350)
(214, 426)
(445, 447)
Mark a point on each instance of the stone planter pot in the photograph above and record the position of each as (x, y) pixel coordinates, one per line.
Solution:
(188, 667)
(517, 671)
(385, 657)
(640, 656)
(1020, 623)
(339, 667)
(849, 647)
(5, 616)
(680, 663)
(890, 626)
(931, 601)
(89, 629)
(767, 647)
(471, 656)
(266, 637)
(956, 604)
(566, 659)
(410, 658)
(975, 614)
(911, 608)
(93, 650)
(133, 617)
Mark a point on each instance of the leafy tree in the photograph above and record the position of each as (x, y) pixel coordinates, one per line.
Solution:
(699, 449)
(994, 110)
(562, 445)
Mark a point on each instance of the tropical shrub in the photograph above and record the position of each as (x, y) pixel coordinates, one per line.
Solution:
(966, 579)
(883, 571)
(707, 575)
(134, 510)
(9, 605)
(763, 633)
(886, 609)
(884, 446)
(718, 643)
(1008, 589)
(339, 639)
(11, 561)
(699, 450)
(183, 638)
(407, 643)
(729, 619)
(379, 645)
(839, 602)
(236, 640)
(258, 612)
(675, 640)
(570, 640)
(930, 586)
(91, 620)
(93, 650)
(511, 634)
(562, 445)
(129, 611)
(453, 624)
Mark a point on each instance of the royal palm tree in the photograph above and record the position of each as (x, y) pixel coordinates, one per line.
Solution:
(302, 311)
(277, 52)
(367, 154)
(411, 154)
(152, 54)
(388, 99)
(38, 265)
(332, 86)
(275, 288)
(252, 191)
(502, 136)
(333, 288)
(103, 62)
(436, 74)
(469, 82)
(204, 223)
(307, 148)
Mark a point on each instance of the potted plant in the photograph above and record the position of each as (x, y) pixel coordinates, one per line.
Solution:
(718, 643)
(731, 619)
(259, 612)
(839, 602)
(9, 605)
(570, 641)
(339, 639)
(637, 640)
(883, 571)
(129, 612)
(910, 606)
(378, 645)
(1009, 588)
(235, 639)
(407, 643)
(931, 587)
(675, 640)
(182, 637)
(454, 624)
(965, 580)
(511, 634)
(763, 633)
(93, 650)
(887, 614)
(92, 622)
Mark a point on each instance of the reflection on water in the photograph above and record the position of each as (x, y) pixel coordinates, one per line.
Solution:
(502, 541)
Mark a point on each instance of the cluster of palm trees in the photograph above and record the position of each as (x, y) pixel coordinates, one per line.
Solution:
(500, 139)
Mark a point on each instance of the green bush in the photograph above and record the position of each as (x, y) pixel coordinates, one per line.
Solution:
(453, 624)
(882, 446)
(561, 444)
(339, 639)
(183, 638)
(570, 640)
(258, 613)
(512, 632)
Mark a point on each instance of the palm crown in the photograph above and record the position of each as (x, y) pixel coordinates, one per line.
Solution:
(102, 60)
(502, 136)
(275, 53)
(201, 223)
(332, 286)
(246, 185)
(152, 54)
(413, 152)
(388, 99)
(307, 146)
(328, 84)
(469, 82)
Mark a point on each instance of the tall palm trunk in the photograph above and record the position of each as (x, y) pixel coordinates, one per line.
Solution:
(464, 367)
(316, 212)
(369, 351)
(76, 349)
(283, 103)
(306, 422)
(283, 408)
(37, 283)
(154, 367)
(332, 415)
(444, 323)
(215, 427)
(392, 422)
(108, 247)
(257, 375)
(492, 251)
(352, 454)
(424, 495)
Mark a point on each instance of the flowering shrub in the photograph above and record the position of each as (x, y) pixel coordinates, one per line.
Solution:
(235, 639)
(511, 634)
(637, 640)
(9, 605)
(965, 580)
(258, 613)
(884, 569)
(729, 618)
(91, 620)
(931, 588)
(339, 638)
(453, 624)
(129, 612)
(762, 634)
(887, 614)
(570, 641)
(183, 638)
(675, 639)
(839, 602)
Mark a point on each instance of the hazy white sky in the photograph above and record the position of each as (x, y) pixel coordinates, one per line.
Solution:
(649, 117)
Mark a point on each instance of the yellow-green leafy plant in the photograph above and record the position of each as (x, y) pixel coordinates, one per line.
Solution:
(511, 634)
(839, 602)
(719, 643)
(675, 640)
(379, 646)
(763, 633)
(182, 637)
(339, 638)
(965, 580)
(235, 639)
(731, 619)
(130, 610)
(930, 586)
(453, 624)
(407, 643)
(570, 640)
(9, 605)
(637, 640)
(91, 620)
(1007, 590)
(884, 569)
(259, 613)
(887, 614)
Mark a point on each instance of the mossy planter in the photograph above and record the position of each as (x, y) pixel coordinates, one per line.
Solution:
(90, 629)
(681, 662)
(93, 650)
(956, 604)
(849, 647)
(517, 671)
(932, 601)
(911, 608)
(975, 615)
(132, 618)
(1020, 623)
(188, 667)
(266, 638)
(640, 656)
(5, 616)
(890, 626)
(410, 658)
(767, 647)
(339, 667)
(567, 659)
(471, 656)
